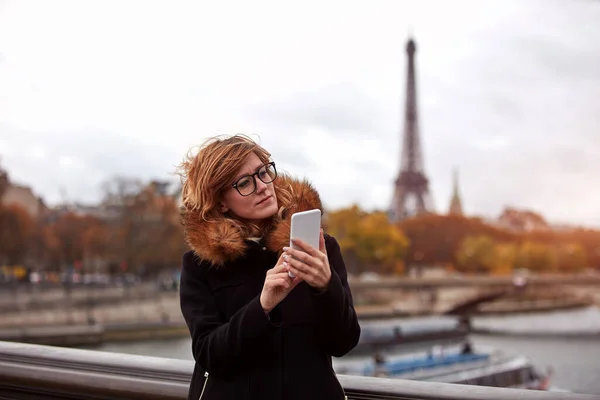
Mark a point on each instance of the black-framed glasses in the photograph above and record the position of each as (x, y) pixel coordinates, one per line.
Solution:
(246, 185)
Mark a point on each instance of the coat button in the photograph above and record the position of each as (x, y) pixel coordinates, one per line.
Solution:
(264, 248)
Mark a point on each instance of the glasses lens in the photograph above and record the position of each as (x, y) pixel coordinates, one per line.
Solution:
(267, 173)
(245, 185)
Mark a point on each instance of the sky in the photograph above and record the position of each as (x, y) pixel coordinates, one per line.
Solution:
(508, 93)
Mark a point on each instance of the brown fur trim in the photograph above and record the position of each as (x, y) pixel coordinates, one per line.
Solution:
(217, 241)
(224, 240)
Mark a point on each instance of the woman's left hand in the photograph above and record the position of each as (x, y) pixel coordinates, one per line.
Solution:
(309, 264)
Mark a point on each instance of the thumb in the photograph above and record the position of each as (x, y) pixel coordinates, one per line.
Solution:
(295, 282)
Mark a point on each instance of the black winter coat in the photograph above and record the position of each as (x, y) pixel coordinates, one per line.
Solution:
(241, 353)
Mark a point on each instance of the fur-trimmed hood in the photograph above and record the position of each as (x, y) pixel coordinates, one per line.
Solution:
(223, 240)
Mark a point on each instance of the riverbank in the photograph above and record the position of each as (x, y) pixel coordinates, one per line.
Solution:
(83, 335)
(157, 328)
(164, 308)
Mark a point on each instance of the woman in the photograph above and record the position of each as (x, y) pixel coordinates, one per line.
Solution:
(256, 332)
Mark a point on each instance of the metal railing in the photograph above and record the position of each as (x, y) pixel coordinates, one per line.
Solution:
(32, 371)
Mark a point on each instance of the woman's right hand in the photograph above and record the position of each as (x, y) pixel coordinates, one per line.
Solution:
(277, 286)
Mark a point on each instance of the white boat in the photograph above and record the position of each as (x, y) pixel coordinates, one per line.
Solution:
(437, 351)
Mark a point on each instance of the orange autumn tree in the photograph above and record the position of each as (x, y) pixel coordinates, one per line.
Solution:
(383, 245)
(571, 257)
(435, 239)
(590, 242)
(477, 254)
(71, 238)
(368, 240)
(164, 245)
(16, 230)
(506, 254)
(344, 224)
(575, 250)
(536, 257)
(4, 182)
(96, 238)
(146, 234)
(482, 254)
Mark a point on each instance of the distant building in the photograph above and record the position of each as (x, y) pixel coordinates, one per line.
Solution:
(101, 212)
(522, 221)
(150, 201)
(24, 197)
(455, 202)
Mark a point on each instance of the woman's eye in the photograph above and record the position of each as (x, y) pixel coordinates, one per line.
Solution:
(243, 182)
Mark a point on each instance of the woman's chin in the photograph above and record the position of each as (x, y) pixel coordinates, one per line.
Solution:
(264, 213)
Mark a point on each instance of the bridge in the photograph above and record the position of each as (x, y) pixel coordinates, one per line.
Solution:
(28, 307)
(474, 281)
(32, 371)
(467, 294)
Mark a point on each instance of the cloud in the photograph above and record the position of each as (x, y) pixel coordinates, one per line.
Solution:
(339, 108)
(89, 91)
(64, 162)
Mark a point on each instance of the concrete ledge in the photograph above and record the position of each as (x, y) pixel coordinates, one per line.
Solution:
(79, 335)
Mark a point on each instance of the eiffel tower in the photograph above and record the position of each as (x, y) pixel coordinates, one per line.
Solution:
(411, 194)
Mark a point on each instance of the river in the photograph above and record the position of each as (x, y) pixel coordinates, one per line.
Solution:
(567, 341)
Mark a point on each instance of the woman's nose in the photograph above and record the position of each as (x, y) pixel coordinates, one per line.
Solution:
(260, 186)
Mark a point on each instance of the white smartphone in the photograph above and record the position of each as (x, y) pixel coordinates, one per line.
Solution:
(306, 226)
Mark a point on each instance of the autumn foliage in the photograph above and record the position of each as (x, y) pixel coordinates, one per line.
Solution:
(136, 229)
(368, 241)
(16, 231)
(473, 246)
(436, 238)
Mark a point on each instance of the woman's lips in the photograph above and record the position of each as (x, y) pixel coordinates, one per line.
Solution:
(263, 201)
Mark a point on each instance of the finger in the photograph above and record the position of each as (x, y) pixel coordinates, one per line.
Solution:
(281, 282)
(278, 266)
(322, 242)
(300, 266)
(299, 275)
(299, 255)
(282, 274)
(297, 279)
(281, 258)
(307, 247)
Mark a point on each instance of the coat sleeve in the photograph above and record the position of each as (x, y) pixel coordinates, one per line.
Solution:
(338, 321)
(216, 345)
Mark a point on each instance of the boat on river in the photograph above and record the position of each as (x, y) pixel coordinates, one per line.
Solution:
(437, 350)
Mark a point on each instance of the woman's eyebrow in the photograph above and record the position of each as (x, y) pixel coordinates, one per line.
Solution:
(249, 173)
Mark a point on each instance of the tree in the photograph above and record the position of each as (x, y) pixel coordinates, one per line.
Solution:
(382, 245)
(435, 239)
(119, 197)
(16, 228)
(344, 225)
(67, 237)
(145, 230)
(161, 247)
(590, 242)
(4, 182)
(538, 257)
(368, 241)
(477, 254)
(506, 254)
(571, 257)
(37, 248)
